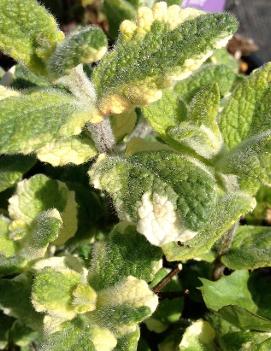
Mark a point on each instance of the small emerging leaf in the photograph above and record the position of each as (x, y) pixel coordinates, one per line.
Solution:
(86, 45)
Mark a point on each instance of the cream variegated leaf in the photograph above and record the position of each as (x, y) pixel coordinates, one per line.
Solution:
(200, 132)
(85, 45)
(169, 197)
(38, 194)
(30, 122)
(76, 150)
(28, 33)
(163, 45)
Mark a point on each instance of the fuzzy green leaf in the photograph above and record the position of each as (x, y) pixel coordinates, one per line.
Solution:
(226, 213)
(250, 161)
(167, 112)
(29, 122)
(169, 197)
(247, 111)
(58, 293)
(38, 194)
(122, 306)
(44, 230)
(207, 75)
(128, 342)
(80, 335)
(116, 258)
(28, 33)
(200, 132)
(163, 46)
(12, 169)
(21, 245)
(86, 45)
(250, 248)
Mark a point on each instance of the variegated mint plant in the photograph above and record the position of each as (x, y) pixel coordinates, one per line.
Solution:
(124, 172)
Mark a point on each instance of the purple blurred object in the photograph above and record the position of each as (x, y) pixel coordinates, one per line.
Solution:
(206, 5)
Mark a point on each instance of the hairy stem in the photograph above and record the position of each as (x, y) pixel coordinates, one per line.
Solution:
(102, 135)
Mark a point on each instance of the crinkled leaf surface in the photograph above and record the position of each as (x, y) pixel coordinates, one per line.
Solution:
(12, 168)
(200, 132)
(167, 112)
(122, 306)
(208, 74)
(80, 335)
(170, 197)
(247, 111)
(250, 248)
(28, 33)
(162, 46)
(38, 194)
(85, 45)
(225, 214)
(116, 258)
(250, 161)
(29, 122)
(58, 292)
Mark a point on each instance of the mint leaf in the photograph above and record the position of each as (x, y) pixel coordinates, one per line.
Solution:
(116, 258)
(80, 335)
(225, 214)
(153, 190)
(34, 33)
(249, 249)
(85, 45)
(38, 194)
(160, 38)
(200, 132)
(12, 169)
(207, 75)
(245, 112)
(24, 128)
(167, 112)
(250, 161)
